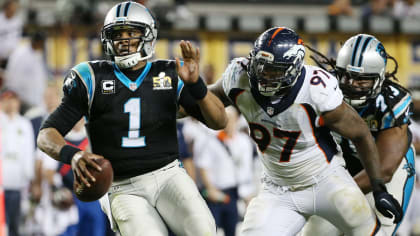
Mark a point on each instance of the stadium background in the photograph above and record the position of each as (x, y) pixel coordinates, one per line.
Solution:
(218, 49)
(226, 29)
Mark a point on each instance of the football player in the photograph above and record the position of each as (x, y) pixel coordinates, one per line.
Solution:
(386, 107)
(291, 109)
(130, 105)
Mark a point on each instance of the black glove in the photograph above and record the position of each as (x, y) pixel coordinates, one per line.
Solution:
(386, 204)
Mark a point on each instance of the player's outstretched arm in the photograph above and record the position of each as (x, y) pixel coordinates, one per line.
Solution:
(52, 143)
(217, 89)
(345, 121)
(211, 107)
(392, 145)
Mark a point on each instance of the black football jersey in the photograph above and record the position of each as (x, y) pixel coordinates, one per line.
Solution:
(391, 108)
(131, 120)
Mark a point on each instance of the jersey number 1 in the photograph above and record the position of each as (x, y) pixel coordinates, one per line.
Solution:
(134, 140)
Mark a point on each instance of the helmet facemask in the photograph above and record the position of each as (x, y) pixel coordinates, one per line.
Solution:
(128, 51)
(358, 87)
(360, 67)
(272, 78)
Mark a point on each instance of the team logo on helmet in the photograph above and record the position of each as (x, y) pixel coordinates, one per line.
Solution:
(381, 50)
(297, 51)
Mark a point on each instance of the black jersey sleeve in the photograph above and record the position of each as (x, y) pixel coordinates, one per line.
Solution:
(190, 104)
(73, 107)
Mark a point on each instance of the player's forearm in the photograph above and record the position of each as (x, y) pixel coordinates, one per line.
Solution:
(389, 163)
(217, 90)
(363, 181)
(368, 155)
(392, 146)
(213, 111)
(51, 142)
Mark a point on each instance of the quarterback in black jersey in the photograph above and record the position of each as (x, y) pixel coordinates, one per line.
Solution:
(130, 105)
(386, 108)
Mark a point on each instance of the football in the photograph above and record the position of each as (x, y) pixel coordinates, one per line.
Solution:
(97, 189)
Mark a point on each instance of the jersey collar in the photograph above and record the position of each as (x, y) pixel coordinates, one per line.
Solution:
(286, 102)
(126, 81)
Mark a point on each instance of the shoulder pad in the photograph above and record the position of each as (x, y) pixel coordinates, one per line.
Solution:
(85, 72)
(235, 74)
(164, 62)
(323, 88)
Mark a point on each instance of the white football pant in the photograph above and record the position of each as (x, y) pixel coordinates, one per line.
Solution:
(142, 205)
(401, 187)
(282, 210)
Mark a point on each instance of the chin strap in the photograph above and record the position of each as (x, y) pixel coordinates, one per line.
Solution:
(127, 61)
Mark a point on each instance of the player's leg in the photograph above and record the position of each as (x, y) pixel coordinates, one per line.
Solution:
(401, 187)
(135, 216)
(340, 201)
(272, 213)
(181, 205)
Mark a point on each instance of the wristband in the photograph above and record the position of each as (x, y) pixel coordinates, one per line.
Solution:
(198, 90)
(67, 152)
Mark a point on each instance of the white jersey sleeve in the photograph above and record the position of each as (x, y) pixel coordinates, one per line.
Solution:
(233, 74)
(324, 90)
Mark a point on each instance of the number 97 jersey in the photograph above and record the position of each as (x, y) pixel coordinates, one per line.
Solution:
(293, 143)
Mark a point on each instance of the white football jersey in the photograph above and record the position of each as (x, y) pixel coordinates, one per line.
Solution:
(293, 144)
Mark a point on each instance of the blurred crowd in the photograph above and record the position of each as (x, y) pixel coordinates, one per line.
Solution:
(398, 9)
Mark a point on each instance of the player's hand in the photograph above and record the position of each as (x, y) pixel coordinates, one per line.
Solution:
(387, 205)
(215, 195)
(81, 160)
(189, 72)
(36, 192)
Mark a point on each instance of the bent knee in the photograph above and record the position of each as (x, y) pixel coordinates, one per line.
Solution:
(353, 207)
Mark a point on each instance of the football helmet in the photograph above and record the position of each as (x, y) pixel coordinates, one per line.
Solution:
(276, 61)
(129, 16)
(361, 65)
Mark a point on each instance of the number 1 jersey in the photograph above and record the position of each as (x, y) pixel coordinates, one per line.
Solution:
(131, 122)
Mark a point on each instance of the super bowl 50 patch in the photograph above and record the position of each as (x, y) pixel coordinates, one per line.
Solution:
(162, 82)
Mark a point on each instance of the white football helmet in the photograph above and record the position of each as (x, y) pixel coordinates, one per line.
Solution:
(362, 58)
(129, 15)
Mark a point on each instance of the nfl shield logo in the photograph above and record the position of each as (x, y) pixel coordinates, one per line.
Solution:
(133, 86)
(270, 110)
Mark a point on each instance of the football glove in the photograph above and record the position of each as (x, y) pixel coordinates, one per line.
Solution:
(385, 203)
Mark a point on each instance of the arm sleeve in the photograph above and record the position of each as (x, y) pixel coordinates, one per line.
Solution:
(402, 111)
(232, 73)
(326, 95)
(72, 108)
